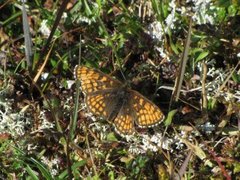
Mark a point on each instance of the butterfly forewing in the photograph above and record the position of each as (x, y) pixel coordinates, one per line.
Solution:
(93, 80)
(147, 113)
(96, 104)
(102, 103)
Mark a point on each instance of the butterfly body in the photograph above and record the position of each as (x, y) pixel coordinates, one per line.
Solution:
(109, 98)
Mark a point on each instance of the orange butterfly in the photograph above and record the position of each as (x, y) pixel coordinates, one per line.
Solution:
(109, 98)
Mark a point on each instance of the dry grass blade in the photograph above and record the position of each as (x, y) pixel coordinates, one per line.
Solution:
(226, 80)
(27, 37)
(185, 163)
(198, 151)
(204, 92)
(42, 67)
(179, 79)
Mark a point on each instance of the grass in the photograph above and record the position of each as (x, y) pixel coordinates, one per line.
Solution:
(46, 132)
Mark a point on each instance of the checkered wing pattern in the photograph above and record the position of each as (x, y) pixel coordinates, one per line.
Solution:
(102, 104)
(124, 122)
(97, 105)
(106, 105)
(93, 80)
(146, 112)
(108, 98)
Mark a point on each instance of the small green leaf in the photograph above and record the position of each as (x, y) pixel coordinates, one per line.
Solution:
(31, 173)
(170, 116)
(202, 55)
(236, 168)
(232, 10)
(111, 175)
(236, 77)
(111, 137)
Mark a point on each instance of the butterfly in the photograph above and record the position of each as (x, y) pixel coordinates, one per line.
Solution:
(109, 98)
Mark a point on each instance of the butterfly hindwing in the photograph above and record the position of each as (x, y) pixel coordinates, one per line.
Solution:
(106, 105)
(124, 122)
